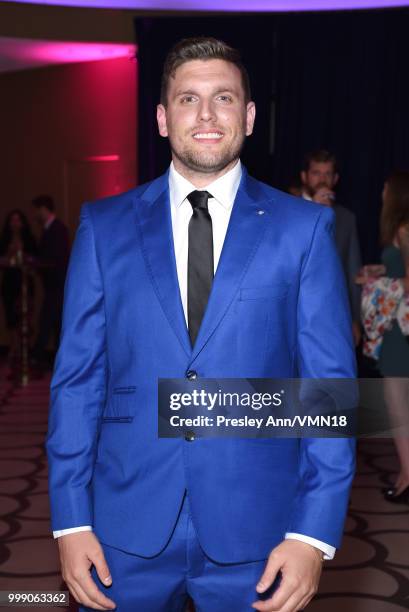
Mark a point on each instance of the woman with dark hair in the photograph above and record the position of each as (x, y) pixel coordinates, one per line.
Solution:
(16, 242)
(394, 354)
(386, 320)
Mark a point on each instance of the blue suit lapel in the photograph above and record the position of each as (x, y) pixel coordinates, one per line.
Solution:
(155, 224)
(246, 228)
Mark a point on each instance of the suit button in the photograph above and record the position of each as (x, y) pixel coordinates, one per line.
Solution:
(189, 436)
(191, 375)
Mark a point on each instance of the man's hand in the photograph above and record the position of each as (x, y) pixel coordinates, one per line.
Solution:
(370, 272)
(78, 551)
(324, 195)
(301, 566)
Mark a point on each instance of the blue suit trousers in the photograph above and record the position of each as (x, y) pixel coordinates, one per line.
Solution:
(163, 583)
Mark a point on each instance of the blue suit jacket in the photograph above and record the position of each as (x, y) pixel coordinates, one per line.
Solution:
(278, 308)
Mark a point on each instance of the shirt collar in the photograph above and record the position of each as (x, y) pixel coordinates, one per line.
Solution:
(223, 189)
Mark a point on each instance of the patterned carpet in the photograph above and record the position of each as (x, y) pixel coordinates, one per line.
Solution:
(369, 574)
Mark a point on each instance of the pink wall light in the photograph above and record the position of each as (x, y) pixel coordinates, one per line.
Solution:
(19, 54)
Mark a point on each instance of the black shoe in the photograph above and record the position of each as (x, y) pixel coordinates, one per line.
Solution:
(401, 498)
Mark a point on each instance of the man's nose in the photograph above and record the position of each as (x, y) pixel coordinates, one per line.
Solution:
(206, 111)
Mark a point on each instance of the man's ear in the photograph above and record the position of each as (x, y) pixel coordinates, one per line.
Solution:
(161, 119)
(303, 175)
(250, 117)
(335, 180)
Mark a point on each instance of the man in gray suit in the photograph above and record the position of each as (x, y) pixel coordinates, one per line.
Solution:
(319, 177)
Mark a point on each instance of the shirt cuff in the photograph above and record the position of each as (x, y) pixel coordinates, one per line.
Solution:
(329, 551)
(64, 532)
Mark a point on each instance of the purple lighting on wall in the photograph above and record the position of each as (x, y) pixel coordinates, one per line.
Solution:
(228, 5)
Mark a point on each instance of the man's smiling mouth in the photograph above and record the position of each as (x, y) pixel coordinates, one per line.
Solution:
(208, 135)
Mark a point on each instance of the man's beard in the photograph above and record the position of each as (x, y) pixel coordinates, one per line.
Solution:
(313, 190)
(207, 162)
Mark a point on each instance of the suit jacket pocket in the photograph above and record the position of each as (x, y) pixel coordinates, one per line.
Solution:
(121, 406)
(124, 390)
(263, 293)
(117, 419)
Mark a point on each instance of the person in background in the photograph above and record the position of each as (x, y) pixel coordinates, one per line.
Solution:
(53, 259)
(319, 178)
(295, 187)
(386, 319)
(16, 243)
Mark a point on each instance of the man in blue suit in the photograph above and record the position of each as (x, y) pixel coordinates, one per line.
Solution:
(224, 521)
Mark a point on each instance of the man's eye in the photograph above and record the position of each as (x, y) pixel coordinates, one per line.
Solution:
(187, 99)
(224, 98)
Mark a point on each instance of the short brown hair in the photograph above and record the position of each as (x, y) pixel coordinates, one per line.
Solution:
(201, 48)
(45, 201)
(395, 209)
(319, 156)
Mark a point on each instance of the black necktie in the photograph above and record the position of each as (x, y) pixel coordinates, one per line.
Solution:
(200, 261)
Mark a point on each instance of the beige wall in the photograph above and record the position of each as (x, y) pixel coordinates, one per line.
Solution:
(65, 23)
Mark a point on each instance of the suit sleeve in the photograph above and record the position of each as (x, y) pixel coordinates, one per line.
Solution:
(354, 265)
(325, 350)
(77, 386)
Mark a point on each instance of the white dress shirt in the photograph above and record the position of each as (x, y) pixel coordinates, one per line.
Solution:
(223, 191)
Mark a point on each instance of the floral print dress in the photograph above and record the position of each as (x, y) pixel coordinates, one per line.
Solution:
(385, 317)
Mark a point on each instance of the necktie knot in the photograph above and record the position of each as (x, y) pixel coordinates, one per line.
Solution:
(199, 199)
